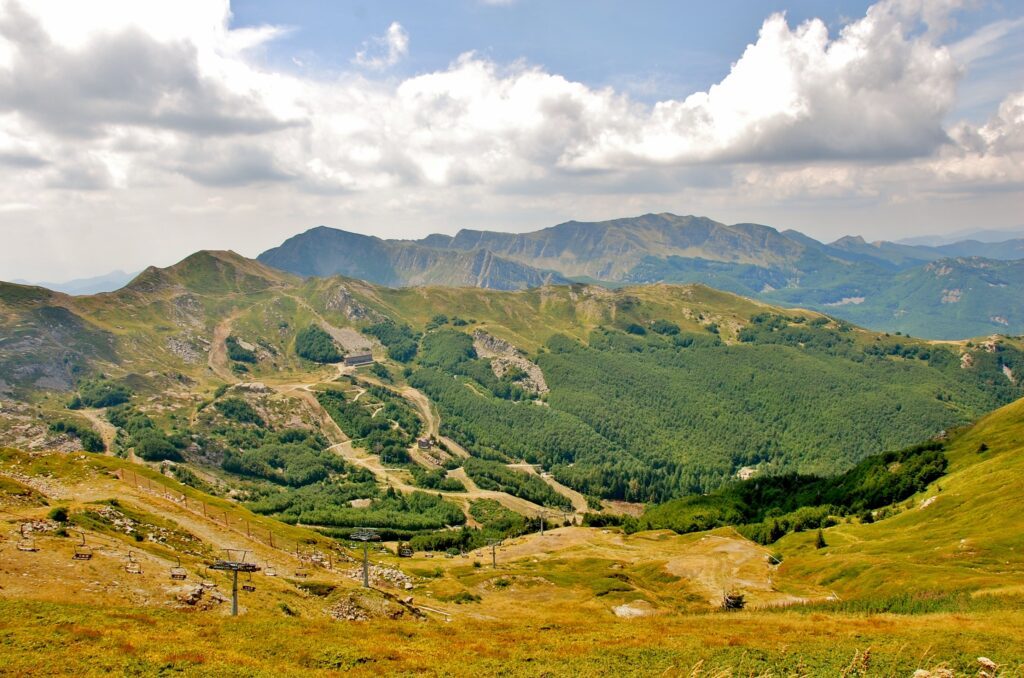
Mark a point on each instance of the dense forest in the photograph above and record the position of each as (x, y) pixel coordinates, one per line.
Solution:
(314, 343)
(650, 413)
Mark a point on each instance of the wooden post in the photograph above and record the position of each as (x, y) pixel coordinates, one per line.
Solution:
(204, 509)
(247, 532)
(271, 535)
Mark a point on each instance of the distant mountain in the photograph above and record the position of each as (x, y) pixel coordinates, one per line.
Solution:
(326, 251)
(869, 282)
(107, 282)
(981, 235)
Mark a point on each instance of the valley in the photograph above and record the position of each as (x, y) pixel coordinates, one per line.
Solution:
(619, 420)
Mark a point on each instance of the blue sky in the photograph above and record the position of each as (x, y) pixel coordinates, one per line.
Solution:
(655, 49)
(134, 133)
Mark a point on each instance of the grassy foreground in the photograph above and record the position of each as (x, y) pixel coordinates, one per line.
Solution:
(46, 639)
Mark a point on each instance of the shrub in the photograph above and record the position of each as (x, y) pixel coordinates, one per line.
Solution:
(59, 514)
(665, 327)
(155, 446)
(239, 410)
(237, 352)
(99, 393)
(91, 441)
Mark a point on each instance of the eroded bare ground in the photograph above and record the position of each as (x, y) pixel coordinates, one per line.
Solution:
(712, 563)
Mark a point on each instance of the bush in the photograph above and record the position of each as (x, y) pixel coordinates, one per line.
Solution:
(239, 410)
(665, 327)
(155, 446)
(99, 393)
(313, 343)
(237, 352)
(91, 441)
(59, 514)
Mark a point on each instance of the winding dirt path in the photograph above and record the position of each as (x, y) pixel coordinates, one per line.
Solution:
(394, 478)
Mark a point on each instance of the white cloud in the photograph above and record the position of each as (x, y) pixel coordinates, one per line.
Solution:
(121, 112)
(385, 51)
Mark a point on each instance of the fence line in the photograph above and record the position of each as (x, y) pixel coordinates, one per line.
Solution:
(313, 556)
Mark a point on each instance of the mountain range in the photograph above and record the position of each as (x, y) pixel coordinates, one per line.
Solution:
(951, 291)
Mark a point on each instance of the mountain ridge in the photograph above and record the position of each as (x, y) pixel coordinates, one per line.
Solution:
(755, 260)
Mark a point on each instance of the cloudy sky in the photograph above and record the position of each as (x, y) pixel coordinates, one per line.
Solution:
(134, 133)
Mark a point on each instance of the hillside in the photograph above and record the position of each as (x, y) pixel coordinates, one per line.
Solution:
(637, 394)
(962, 535)
(930, 585)
(867, 283)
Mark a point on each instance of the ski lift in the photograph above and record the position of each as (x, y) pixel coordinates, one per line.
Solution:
(207, 583)
(82, 552)
(248, 585)
(178, 572)
(132, 566)
(301, 573)
(270, 571)
(27, 542)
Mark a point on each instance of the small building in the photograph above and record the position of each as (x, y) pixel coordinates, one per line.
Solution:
(358, 359)
(425, 443)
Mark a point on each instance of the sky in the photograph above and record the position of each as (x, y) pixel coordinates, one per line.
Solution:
(134, 133)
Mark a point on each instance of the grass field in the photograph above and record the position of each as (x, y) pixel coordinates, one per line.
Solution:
(45, 638)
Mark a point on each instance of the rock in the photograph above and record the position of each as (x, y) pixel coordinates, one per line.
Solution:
(988, 667)
(940, 672)
(637, 608)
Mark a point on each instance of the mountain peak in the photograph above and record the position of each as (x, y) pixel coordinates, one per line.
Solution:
(850, 240)
(210, 271)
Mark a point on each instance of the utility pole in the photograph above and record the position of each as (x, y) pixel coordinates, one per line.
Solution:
(542, 515)
(366, 535)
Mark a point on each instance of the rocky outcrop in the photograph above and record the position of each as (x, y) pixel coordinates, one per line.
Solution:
(507, 359)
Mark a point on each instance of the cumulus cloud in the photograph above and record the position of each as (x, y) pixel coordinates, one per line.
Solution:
(386, 50)
(164, 102)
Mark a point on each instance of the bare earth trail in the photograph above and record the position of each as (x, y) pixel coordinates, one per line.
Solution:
(342, 444)
(218, 359)
(396, 479)
(98, 418)
(579, 502)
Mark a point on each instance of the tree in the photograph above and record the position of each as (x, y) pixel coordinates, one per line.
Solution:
(819, 540)
(313, 343)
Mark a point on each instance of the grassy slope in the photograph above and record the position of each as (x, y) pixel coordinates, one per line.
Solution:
(970, 536)
(564, 627)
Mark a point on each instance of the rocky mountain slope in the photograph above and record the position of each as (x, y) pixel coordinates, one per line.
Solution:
(849, 277)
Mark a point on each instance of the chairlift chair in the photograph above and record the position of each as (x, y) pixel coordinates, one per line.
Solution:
(301, 573)
(82, 551)
(132, 566)
(207, 583)
(270, 571)
(27, 542)
(248, 585)
(178, 572)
